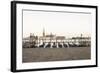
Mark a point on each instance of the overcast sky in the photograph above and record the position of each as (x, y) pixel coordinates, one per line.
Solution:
(59, 23)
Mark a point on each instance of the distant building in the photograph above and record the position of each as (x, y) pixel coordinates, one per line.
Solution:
(54, 41)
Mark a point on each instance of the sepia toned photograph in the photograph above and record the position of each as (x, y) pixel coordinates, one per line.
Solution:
(56, 35)
(48, 36)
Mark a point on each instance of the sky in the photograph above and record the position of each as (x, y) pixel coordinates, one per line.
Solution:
(59, 23)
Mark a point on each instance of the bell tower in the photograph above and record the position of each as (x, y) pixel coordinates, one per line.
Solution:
(43, 32)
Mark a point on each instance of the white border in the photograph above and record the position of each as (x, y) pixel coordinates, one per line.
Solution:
(37, 65)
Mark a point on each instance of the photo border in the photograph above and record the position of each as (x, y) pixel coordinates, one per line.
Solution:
(14, 30)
